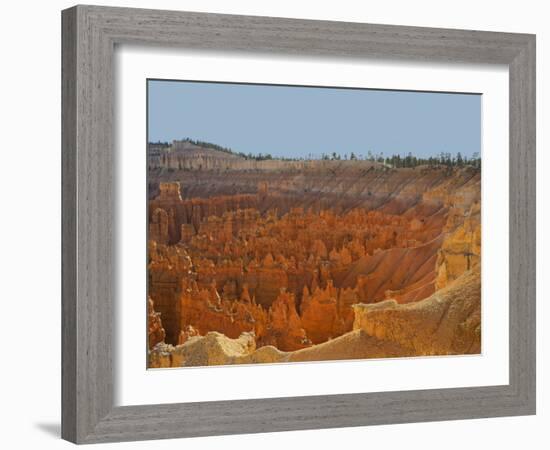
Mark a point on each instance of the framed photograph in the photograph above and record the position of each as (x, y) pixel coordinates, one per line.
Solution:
(278, 224)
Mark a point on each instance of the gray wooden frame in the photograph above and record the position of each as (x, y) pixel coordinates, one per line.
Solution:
(89, 37)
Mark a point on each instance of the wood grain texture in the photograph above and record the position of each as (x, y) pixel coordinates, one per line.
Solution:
(68, 225)
(89, 267)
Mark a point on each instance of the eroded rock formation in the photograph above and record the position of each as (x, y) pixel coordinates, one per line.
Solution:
(289, 256)
(155, 332)
(448, 322)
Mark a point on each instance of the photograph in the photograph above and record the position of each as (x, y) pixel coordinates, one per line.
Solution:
(275, 224)
(311, 223)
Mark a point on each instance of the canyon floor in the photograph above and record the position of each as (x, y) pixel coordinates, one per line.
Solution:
(282, 261)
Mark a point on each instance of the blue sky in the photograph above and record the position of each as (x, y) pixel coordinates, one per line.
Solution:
(294, 121)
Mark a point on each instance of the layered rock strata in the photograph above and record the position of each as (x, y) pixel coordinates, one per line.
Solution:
(285, 256)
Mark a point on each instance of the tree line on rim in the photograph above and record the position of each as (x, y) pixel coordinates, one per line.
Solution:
(395, 161)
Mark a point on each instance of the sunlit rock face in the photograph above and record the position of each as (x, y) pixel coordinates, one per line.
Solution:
(293, 258)
(461, 248)
(447, 322)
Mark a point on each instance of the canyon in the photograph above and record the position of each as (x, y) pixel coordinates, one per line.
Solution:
(304, 260)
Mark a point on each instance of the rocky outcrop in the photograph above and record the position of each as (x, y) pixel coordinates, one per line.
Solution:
(447, 322)
(205, 310)
(217, 349)
(285, 329)
(167, 265)
(155, 332)
(159, 225)
(461, 248)
(169, 193)
(321, 312)
(188, 332)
